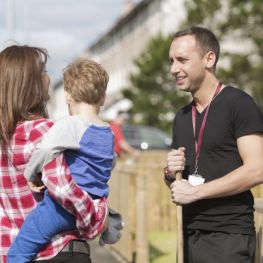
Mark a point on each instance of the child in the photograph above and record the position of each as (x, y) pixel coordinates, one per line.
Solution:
(87, 143)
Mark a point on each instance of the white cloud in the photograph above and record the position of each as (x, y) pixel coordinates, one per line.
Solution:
(62, 48)
(64, 27)
(57, 41)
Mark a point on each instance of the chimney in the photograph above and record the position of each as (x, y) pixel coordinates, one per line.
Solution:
(127, 7)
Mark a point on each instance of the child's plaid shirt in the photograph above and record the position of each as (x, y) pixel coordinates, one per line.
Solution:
(17, 201)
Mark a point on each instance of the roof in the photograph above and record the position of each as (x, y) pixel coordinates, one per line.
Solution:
(120, 23)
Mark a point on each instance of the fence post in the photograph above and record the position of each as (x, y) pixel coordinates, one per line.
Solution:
(142, 248)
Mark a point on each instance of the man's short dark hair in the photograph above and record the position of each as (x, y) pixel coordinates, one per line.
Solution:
(205, 39)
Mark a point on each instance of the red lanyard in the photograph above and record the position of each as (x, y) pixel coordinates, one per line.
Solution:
(199, 141)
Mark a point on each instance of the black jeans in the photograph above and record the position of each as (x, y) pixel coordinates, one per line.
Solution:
(218, 247)
(76, 251)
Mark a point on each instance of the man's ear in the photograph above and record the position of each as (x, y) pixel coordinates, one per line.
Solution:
(67, 97)
(210, 58)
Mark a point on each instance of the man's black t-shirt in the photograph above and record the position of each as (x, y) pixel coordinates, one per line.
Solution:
(232, 114)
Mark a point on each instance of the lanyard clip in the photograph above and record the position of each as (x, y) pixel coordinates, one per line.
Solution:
(196, 169)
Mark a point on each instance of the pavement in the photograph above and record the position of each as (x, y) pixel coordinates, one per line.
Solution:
(101, 254)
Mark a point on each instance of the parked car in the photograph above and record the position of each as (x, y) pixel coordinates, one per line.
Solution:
(146, 137)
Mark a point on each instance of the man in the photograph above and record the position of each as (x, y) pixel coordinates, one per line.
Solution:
(120, 144)
(218, 144)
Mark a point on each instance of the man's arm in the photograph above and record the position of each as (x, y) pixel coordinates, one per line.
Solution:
(248, 175)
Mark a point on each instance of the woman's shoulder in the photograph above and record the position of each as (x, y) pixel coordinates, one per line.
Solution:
(33, 129)
(40, 123)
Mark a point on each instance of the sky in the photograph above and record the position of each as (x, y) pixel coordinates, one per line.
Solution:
(64, 27)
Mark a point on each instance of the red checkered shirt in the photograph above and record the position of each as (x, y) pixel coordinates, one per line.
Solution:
(17, 201)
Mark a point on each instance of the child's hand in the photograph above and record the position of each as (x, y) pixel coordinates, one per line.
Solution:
(36, 188)
(36, 185)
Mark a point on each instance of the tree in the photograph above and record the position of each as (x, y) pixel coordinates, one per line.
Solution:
(239, 23)
(236, 22)
(152, 90)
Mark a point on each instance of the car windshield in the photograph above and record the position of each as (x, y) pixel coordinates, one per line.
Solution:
(153, 136)
(146, 137)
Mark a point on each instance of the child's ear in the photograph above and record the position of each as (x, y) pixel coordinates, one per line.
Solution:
(67, 97)
(103, 100)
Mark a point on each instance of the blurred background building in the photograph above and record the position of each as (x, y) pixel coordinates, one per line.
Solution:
(121, 44)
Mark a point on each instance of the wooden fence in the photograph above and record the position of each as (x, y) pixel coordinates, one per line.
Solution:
(259, 225)
(138, 192)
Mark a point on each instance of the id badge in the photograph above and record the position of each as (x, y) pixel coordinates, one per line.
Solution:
(195, 179)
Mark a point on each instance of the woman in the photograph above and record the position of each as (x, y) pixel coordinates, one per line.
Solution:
(24, 85)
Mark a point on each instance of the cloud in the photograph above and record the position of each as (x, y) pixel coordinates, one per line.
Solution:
(61, 46)
(56, 41)
(64, 27)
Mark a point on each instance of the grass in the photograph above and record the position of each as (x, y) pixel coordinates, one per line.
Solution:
(162, 247)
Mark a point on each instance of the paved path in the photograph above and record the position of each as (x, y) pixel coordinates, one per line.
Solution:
(100, 254)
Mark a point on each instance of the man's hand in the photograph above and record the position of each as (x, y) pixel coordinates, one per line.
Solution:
(176, 160)
(182, 192)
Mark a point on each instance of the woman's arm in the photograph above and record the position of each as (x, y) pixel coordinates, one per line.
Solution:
(90, 215)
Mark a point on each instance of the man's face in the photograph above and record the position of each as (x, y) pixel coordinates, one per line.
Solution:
(187, 64)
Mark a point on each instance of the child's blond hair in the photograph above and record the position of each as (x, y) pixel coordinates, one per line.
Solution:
(86, 81)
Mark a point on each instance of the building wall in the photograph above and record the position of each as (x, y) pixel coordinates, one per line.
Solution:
(127, 40)
(159, 16)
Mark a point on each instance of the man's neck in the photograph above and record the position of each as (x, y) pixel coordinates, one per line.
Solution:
(204, 94)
